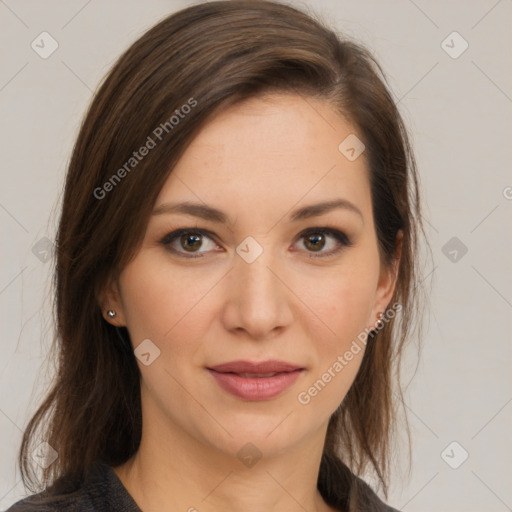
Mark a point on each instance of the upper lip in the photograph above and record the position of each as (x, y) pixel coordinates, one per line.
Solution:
(269, 366)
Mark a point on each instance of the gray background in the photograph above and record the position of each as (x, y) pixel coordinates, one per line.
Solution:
(458, 111)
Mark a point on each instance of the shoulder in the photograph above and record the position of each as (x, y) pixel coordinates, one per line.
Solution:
(370, 499)
(100, 491)
(42, 502)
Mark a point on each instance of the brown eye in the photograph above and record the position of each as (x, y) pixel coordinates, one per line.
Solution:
(195, 243)
(188, 243)
(315, 242)
(318, 239)
(191, 241)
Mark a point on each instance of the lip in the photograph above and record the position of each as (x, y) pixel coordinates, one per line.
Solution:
(240, 378)
(272, 365)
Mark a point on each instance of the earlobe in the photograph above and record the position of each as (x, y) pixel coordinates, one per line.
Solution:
(110, 303)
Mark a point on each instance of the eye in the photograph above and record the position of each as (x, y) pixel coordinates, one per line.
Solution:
(316, 239)
(188, 242)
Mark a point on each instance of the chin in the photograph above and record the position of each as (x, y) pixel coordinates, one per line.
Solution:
(265, 434)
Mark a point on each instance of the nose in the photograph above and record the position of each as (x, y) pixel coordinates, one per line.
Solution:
(258, 301)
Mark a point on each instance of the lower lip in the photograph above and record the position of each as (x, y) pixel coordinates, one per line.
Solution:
(255, 388)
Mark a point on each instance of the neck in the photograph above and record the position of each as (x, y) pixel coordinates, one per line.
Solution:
(177, 472)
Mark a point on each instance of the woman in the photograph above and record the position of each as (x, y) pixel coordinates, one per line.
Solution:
(236, 275)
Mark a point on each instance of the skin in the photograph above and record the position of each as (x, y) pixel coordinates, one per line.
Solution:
(258, 162)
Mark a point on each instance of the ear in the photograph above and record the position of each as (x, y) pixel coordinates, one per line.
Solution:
(109, 298)
(387, 280)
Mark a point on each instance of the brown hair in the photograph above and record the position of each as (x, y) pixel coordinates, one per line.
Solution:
(210, 56)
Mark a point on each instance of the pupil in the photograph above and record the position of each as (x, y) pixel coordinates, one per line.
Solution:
(194, 239)
(317, 241)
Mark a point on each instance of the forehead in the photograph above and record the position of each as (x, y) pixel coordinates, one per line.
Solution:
(270, 151)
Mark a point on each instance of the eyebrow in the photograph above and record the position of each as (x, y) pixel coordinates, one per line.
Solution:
(210, 213)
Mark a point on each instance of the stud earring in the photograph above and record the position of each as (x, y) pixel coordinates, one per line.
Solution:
(111, 313)
(379, 324)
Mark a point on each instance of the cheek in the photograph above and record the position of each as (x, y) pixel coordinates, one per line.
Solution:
(160, 304)
(343, 303)
(343, 299)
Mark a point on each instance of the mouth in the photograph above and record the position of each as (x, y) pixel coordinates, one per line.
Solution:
(255, 381)
(256, 375)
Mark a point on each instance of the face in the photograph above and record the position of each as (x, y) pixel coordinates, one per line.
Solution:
(254, 271)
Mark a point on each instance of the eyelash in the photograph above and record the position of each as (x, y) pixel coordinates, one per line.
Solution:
(341, 237)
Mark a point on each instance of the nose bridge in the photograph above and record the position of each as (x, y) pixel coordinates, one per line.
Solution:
(256, 277)
(252, 270)
(258, 301)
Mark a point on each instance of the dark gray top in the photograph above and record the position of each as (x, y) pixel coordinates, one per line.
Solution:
(102, 491)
